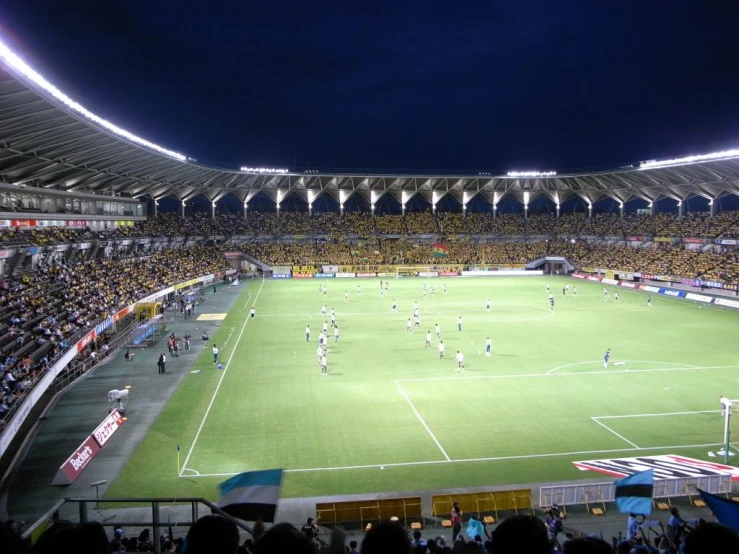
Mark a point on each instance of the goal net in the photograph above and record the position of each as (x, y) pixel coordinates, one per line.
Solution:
(411, 270)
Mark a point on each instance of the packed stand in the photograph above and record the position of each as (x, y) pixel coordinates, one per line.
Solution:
(295, 223)
(264, 223)
(327, 223)
(361, 224)
(541, 224)
(420, 223)
(483, 224)
(162, 225)
(235, 224)
(42, 314)
(450, 223)
(390, 225)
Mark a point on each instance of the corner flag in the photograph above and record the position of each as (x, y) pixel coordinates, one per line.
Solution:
(251, 495)
(634, 493)
(725, 510)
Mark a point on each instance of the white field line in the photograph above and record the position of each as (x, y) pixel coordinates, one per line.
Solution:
(218, 387)
(472, 460)
(415, 411)
(686, 366)
(657, 415)
(565, 374)
(614, 432)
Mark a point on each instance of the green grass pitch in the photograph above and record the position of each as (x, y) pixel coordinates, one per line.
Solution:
(392, 416)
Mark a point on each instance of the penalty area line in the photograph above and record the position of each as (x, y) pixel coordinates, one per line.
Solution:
(218, 386)
(614, 432)
(415, 411)
(476, 460)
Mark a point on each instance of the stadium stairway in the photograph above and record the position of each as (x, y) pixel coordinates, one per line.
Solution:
(81, 408)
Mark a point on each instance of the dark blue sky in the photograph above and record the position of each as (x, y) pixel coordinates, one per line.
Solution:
(411, 85)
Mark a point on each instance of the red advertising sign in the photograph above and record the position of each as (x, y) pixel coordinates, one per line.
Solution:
(303, 275)
(76, 463)
(368, 274)
(693, 241)
(448, 274)
(123, 313)
(637, 239)
(106, 429)
(76, 223)
(232, 254)
(23, 223)
(87, 339)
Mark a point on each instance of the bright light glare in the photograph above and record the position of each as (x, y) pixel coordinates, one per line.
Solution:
(12, 60)
(531, 173)
(263, 170)
(690, 159)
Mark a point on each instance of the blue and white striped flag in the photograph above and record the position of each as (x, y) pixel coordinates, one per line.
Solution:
(251, 495)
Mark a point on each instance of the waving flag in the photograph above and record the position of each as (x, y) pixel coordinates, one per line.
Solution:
(725, 510)
(440, 250)
(634, 493)
(251, 495)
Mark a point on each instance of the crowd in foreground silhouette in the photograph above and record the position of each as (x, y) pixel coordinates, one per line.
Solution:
(520, 534)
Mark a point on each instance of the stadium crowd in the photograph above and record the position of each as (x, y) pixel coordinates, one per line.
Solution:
(43, 313)
(520, 534)
(364, 224)
(716, 264)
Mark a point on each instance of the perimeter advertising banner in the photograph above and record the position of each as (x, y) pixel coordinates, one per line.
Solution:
(73, 467)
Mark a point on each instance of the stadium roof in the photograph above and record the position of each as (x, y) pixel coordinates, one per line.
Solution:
(48, 140)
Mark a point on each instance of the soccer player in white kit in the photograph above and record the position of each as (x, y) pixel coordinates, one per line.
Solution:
(460, 361)
(428, 339)
(441, 349)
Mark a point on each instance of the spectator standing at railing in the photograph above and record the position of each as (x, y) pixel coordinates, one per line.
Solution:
(456, 517)
(161, 363)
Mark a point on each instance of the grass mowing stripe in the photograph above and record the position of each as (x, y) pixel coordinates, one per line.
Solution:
(218, 386)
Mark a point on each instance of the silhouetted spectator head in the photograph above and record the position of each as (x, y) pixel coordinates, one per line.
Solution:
(212, 534)
(386, 538)
(283, 537)
(521, 533)
(68, 538)
(588, 545)
(711, 537)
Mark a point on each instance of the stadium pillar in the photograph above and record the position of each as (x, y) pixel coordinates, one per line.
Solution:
(244, 210)
(621, 210)
(590, 210)
(651, 208)
(680, 209)
(212, 210)
(557, 210)
(156, 208)
(495, 210)
(712, 206)
(183, 209)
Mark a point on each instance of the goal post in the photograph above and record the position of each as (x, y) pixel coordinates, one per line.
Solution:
(411, 270)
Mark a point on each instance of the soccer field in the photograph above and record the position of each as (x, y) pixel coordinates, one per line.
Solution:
(391, 416)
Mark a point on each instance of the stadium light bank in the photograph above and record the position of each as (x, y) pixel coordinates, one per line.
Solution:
(268, 170)
(16, 63)
(651, 164)
(531, 173)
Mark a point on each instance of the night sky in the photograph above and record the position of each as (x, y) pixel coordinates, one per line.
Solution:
(398, 85)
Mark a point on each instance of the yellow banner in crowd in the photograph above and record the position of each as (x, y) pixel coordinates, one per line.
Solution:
(588, 269)
(662, 239)
(610, 274)
(189, 283)
(303, 269)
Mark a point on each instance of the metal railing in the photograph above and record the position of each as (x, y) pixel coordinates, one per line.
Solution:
(83, 510)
